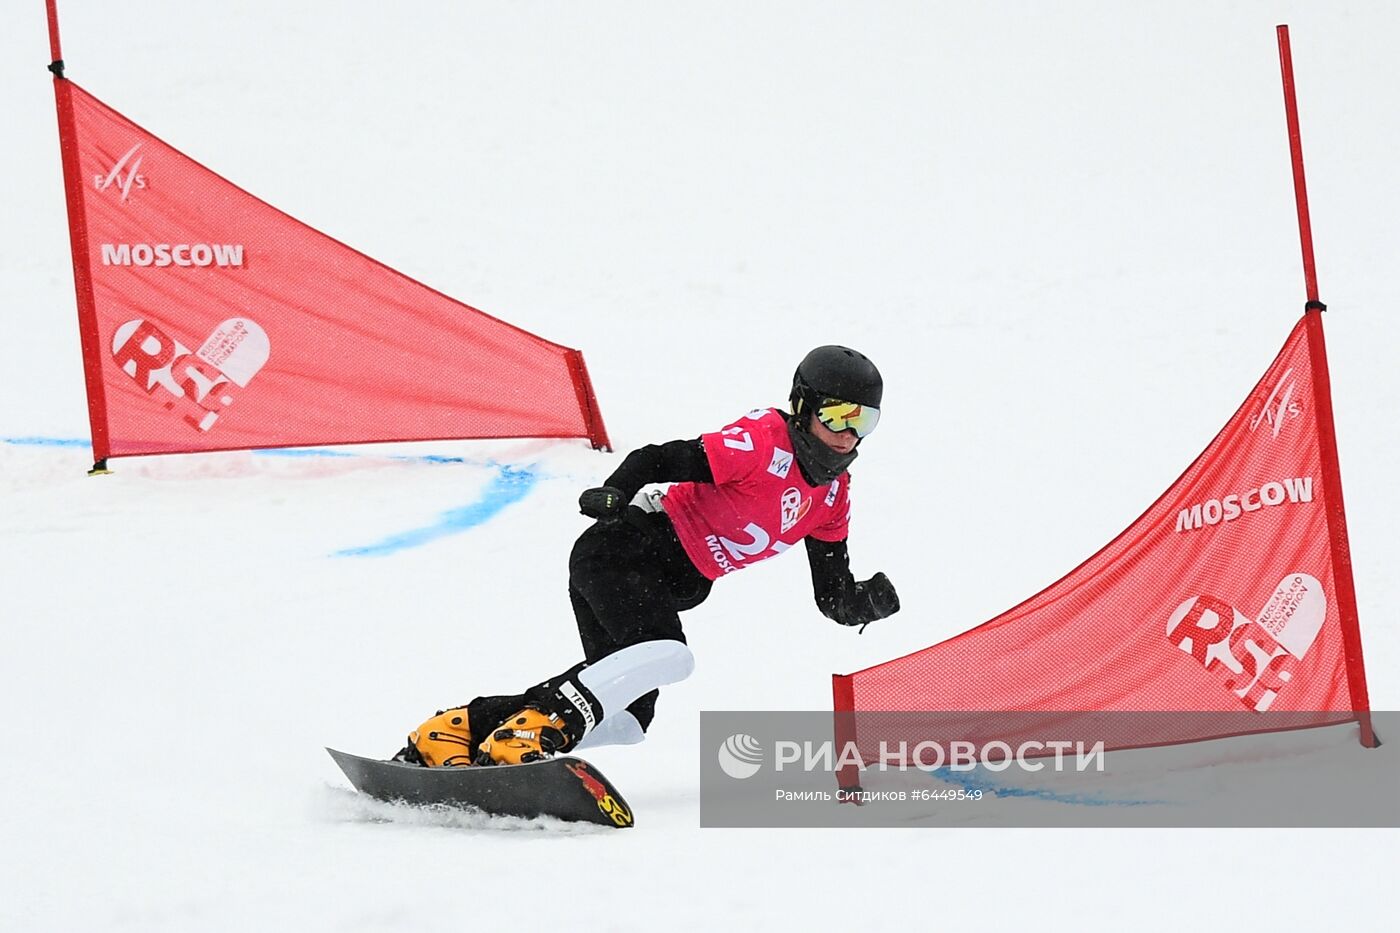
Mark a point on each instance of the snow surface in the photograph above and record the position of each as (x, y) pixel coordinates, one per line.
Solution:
(1066, 233)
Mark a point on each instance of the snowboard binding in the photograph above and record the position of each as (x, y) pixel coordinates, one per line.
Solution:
(529, 735)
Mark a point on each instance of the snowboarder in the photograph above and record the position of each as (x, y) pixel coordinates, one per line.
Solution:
(741, 495)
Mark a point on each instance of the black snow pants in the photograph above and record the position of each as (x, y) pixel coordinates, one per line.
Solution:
(629, 580)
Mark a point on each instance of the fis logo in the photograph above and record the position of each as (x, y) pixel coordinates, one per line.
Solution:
(1281, 405)
(123, 176)
(781, 464)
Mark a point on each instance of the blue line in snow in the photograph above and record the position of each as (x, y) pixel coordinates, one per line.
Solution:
(970, 780)
(48, 441)
(324, 452)
(270, 452)
(303, 452)
(510, 485)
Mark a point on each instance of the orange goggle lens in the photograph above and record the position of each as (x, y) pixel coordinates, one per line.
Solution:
(839, 416)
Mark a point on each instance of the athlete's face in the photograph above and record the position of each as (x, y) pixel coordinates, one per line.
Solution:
(843, 443)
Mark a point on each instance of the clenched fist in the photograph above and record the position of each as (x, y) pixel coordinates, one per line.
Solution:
(604, 503)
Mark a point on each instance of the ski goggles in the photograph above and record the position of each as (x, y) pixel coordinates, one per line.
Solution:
(839, 416)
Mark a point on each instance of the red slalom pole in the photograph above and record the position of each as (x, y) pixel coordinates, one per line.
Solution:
(1326, 427)
(1295, 145)
(78, 237)
(55, 53)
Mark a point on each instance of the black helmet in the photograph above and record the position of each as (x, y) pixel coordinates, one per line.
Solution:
(835, 372)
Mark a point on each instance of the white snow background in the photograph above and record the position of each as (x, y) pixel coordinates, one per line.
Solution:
(1065, 232)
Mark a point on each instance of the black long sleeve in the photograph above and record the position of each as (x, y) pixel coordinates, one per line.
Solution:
(839, 596)
(832, 582)
(671, 462)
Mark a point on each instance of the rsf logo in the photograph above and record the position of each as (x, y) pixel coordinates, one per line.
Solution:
(740, 756)
(793, 507)
(202, 380)
(1256, 659)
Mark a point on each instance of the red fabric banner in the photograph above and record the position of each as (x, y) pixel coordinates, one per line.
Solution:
(214, 321)
(1222, 597)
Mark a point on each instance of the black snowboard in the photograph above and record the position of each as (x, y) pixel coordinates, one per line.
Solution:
(564, 788)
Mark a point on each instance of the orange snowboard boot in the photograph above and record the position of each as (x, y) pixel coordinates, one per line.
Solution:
(443, 741)
(529, 735)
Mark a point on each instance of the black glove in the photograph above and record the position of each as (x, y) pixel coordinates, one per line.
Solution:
(604, 503)
(870, 600)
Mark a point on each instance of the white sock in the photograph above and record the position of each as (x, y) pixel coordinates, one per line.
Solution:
(621, 677)
(618, 729)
